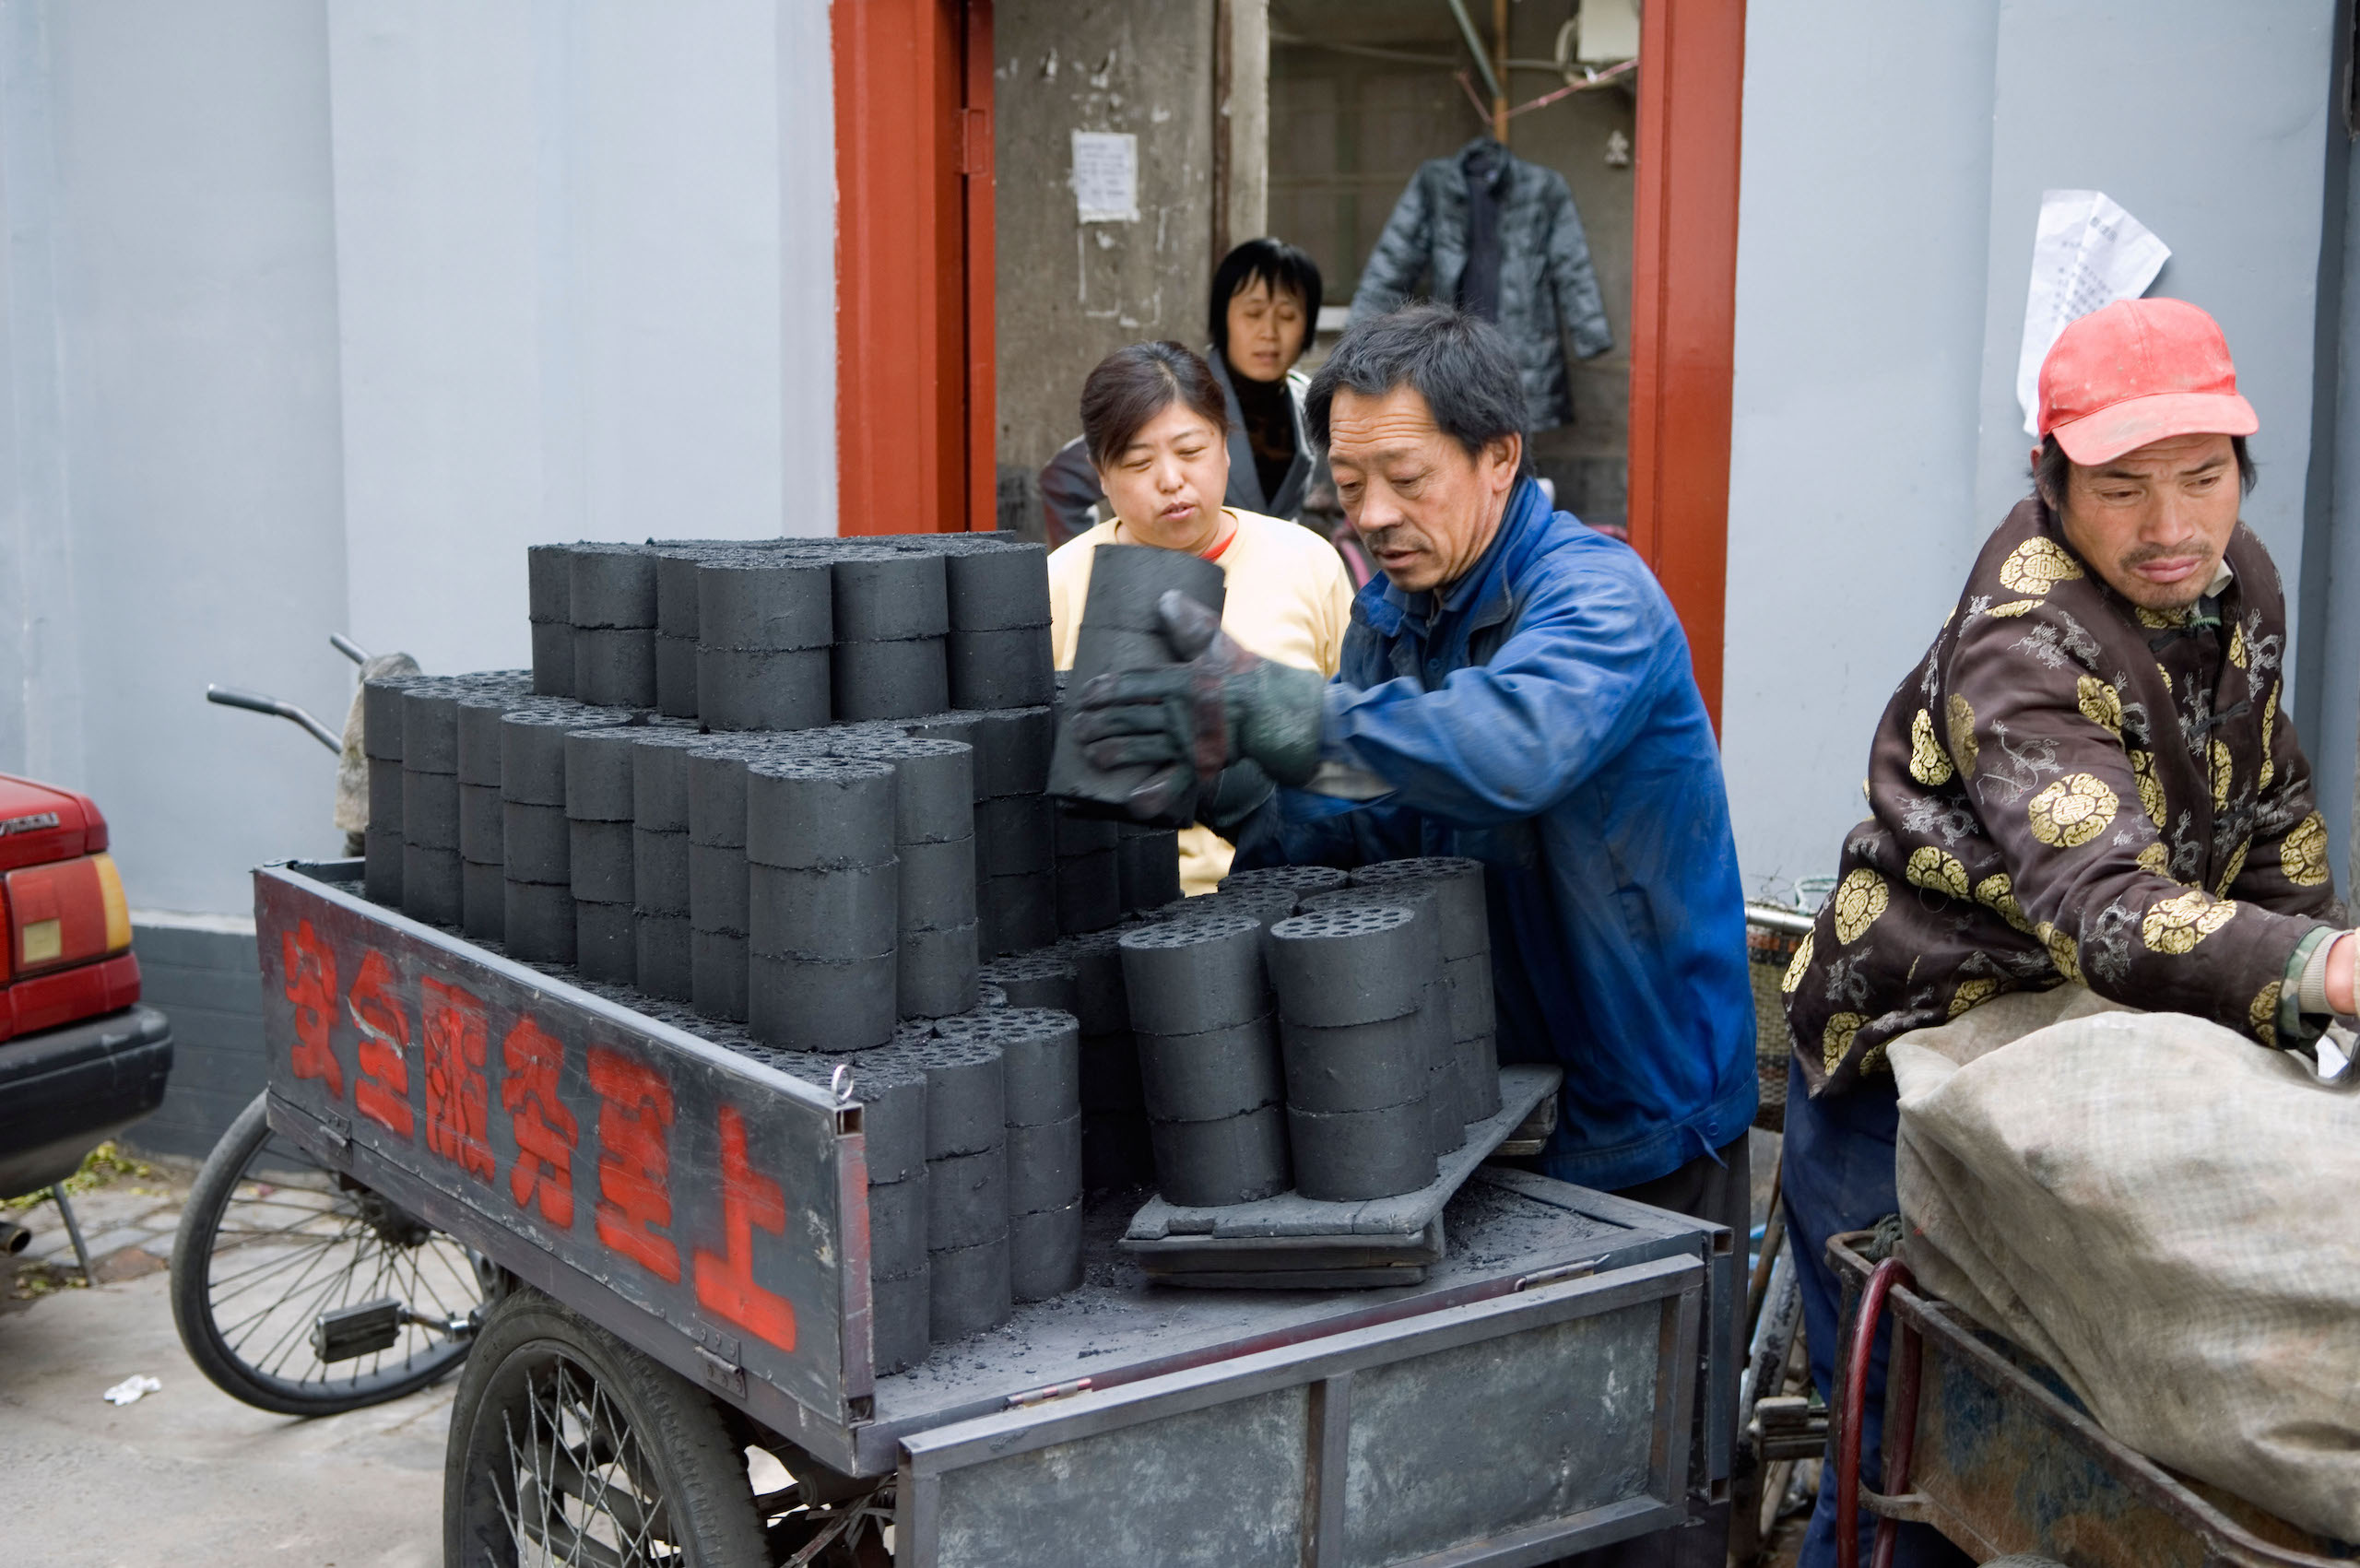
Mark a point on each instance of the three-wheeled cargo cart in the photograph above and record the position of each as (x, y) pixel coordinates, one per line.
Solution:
(681, 1237)
(1987, 1446)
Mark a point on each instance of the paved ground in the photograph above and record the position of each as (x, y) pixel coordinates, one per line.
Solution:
(188, 1476)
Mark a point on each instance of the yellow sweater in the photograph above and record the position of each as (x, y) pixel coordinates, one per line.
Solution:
(1286, 597)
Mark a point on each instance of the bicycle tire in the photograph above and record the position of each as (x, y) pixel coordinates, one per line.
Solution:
(315, 1219)
(568, 1445)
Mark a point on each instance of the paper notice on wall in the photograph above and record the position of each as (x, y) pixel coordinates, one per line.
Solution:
(2087, 254)
(1107, 176)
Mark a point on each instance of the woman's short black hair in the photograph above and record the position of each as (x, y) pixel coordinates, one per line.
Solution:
(1267, 260)
(2055, 471)
(1134, 384)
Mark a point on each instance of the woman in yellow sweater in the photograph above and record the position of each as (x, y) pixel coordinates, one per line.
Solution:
(1157, 431)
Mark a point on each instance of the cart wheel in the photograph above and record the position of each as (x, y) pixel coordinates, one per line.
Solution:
(270, 1240)
(569, 1446)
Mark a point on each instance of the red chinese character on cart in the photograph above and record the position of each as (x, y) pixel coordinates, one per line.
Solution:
(544, 1130)
(633, 1165)
(311, 986)
(381, 1092)
(458, 1111)
(726, 1281)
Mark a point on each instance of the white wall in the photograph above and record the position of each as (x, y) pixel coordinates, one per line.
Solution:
(313, 314)
(572, 301)
(1894, 161)
(1859, 332)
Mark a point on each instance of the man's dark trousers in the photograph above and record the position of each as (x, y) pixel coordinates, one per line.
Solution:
(1838, 1176)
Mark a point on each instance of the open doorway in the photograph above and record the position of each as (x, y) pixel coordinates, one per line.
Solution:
(1363, 92)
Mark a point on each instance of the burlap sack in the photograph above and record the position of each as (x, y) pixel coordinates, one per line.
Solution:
(2162, 1210)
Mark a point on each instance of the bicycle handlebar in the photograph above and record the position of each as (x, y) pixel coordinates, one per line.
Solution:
(255, 702)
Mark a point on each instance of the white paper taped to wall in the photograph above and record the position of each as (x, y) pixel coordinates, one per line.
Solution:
(2087, 254)
(1107, 176)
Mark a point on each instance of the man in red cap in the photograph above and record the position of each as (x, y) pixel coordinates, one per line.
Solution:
(2088, 779)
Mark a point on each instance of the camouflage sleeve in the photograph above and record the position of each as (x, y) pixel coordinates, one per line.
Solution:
(2066, 784)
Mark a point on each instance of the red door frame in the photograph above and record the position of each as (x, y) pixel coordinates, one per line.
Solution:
(1683, 311)
(914, 352)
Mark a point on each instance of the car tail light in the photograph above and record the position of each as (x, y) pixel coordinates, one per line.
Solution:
(66, 912)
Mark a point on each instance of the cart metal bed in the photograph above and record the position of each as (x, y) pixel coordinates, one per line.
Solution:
(1555, 1382)
(1987, 1446)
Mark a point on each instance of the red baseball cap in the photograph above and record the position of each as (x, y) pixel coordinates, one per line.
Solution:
(2140, 371)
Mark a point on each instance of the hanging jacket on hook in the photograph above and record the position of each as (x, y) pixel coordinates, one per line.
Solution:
(1536, 272)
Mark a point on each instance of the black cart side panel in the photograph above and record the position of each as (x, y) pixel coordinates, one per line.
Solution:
(704, 1207)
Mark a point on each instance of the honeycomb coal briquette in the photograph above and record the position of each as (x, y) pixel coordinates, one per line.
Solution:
(676, 676)
(1457, 882)
(432, 884)
(766, 601)
(1015, 913)
(965, 1091)
(552, 659)
(1222, 1072)
(483, 902)
(1340, 966)
(1100, 1001)
(610, 585)
(934, 971)
(1013, 750)
(901, 678)
(380, 714)
(477, 711)
(897, 1225)
(886, 595)
(537, 924)
(819, 812)
(659, 778)
(380, 866)
(901, 1312)
(599, 775)
(937, 884)
(532, 746)
(1351, 1156)
(661, 943)
(819, 1004)
(934, 784)
(969, 1290)
(764, 688)
(995, 583)
(966, 1198)
(1189, 977)
(1008, 669)
(1147, 867)
(1043, 1166)
(1045, 1253)
(1015, 834)
(1128, 581)
(1088, 891)
(1073, 833)
(1298, 879)
(430, 721)
(843, 914)
(892, 1098)
(1356, 1067)
(549, 583)
(431, 809)
(606, 942)
(1472, 1007)
(1478, 1076)
(717, 984)
(615, 665)
(660, 872)
(599, 857)
(1213, 1165)
(1034, 979)
(537, 844)
(1039, 1059)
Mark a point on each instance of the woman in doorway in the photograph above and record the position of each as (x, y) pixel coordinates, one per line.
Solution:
(1265, 306)
(1159, 438)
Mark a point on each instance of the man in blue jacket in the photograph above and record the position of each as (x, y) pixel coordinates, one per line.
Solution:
(1516, 690)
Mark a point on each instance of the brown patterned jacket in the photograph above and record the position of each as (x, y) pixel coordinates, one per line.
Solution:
(2073, 788)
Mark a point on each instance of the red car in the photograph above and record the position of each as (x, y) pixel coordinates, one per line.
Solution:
(80, 1058)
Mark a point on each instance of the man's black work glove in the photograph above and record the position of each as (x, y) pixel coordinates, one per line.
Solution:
(1221, 704)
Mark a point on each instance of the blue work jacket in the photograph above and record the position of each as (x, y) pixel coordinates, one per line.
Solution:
(1540, 714)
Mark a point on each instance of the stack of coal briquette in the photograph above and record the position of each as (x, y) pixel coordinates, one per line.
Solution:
(735, 794)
